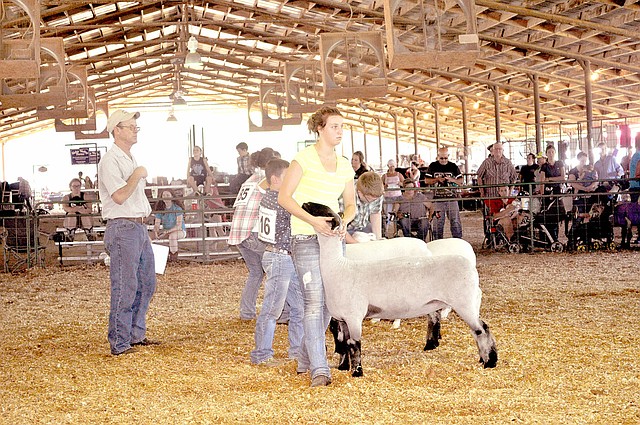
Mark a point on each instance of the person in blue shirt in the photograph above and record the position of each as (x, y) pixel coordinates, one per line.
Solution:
(169, 215)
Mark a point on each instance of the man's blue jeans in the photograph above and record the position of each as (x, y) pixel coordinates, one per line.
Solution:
(451, 210)
(281, 285)
(306, 257)
(251, 249)
(133, 281)
(420, 224)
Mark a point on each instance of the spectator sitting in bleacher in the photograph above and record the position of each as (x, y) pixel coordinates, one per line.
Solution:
(170, 214)
(76, 204)
(413, 210)
(199, 173)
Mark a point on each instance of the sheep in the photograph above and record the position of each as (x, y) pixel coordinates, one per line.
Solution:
(368, 249)
(354, 291)
(398, 248)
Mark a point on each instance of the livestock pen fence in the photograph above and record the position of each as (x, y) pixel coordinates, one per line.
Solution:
(533, 201)
(27, 234)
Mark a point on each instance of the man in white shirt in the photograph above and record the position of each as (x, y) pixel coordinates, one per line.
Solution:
(121, 185)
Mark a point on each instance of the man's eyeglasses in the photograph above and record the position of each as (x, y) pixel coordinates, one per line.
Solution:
(443, 157)
(130, 127)
(75, 185)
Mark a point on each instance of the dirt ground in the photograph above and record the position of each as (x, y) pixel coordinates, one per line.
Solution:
(566, 326)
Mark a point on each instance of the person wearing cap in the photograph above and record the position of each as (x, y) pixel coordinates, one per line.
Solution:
(125, 207)
(495, 170)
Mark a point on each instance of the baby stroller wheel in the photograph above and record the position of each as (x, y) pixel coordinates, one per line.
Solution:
(612, 246)
(596, 245)
(557, 247)
(514, 248)
(582, 248)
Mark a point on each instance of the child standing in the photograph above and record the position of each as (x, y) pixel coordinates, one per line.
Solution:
(282, 282)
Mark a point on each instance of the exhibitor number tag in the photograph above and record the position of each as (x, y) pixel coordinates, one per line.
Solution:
(267, 223)
(244, 194)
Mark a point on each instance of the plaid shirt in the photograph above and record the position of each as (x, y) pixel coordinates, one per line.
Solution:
(494, 172)
(245, 216)
(364, 211)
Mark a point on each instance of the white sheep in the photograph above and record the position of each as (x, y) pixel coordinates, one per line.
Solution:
(413, 286)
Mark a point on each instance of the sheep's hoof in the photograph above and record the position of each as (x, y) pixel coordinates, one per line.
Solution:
(432, 344)
(357, 372)
(492, 361)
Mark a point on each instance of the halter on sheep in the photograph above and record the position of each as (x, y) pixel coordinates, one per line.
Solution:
(449, 280)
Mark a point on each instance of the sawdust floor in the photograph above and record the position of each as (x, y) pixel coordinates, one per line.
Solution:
(566, 327)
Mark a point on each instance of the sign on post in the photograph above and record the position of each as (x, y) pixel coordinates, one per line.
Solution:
(82, 156)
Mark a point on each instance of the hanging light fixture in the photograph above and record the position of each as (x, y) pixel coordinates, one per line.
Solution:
(172, 116)
(193, 57)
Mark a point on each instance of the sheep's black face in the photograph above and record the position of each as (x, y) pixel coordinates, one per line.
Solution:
(320, 210)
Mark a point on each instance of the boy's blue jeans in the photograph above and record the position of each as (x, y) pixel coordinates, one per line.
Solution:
(281, 286)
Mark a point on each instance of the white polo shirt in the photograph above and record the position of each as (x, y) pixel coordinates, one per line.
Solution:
(114, 169)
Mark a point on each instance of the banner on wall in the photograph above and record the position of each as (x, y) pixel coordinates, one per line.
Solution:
(83, 156)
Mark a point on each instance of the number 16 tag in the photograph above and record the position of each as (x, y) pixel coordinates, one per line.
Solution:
(267, 223)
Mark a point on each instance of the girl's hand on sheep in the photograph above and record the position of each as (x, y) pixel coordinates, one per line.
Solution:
(322, 225)
(340, 231)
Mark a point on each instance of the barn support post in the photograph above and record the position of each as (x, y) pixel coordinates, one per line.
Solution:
(395, 130)
(536, 111)
(496, 110)
(414, 114)
(364, 139)
(465, 134)
(436, 120)
(586, 66)
(379, 140)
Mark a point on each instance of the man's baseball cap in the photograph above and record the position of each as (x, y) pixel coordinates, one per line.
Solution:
(120, 116)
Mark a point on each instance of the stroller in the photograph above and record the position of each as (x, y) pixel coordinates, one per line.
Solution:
(537, 230)
(592, 229)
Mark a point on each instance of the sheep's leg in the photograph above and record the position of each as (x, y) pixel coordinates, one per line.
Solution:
(481, 333)
(433, 331)
(340, 333)
(356, 360)
(355, 335)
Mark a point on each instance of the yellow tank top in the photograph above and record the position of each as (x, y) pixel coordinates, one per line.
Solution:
(318, 185)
